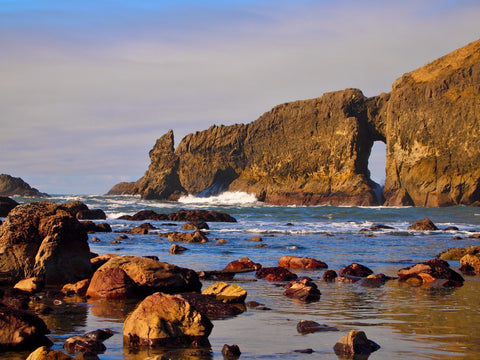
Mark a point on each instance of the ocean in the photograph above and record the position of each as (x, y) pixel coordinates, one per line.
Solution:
(407, 322)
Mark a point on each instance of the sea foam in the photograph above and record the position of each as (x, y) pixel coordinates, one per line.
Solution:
(225, 198)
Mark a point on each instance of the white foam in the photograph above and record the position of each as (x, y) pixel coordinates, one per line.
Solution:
(225, 198)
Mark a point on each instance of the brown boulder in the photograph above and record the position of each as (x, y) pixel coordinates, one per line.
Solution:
(226, 293)
(244, 264)
(44, 353)
(195, 225)
(355, 343)
(21, 330)
(201, 215)
(212, 307)
(424, 224)
(295, 262)
(231, 351)
(6, 205)
(151, 276)
(81, 344)
(308, 326)
(471, 260)
(91, 214)
(79, 288)
(195, 237)
(177, 249)
(329, 276)
(30, 285)
(162, 319)
(355, 270)
(145, 215)
(303, 289)
(429, 272)
(43, 240)
(111, 283)
(276, 274)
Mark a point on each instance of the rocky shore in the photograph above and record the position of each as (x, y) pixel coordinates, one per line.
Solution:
(44, 255)
(316, 151)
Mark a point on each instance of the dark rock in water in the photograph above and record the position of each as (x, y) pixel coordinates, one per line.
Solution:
(44, 353)
(381, 227)
(103, 227)
(231, 351)
(195, 225)
(6, 204)
(355, 343)
(430, 271)
(303, 289)
(21, 330)
(304, 351)
(91, 227)
(243, 264)
(16, 298)
(451, 228)
(93, 214)
(276, 274)
(81, 344)
(374, 281)
(201, 215)
(43, 240)
(424, 224)
(10, 186)
(329, 276)
(211, 307)
(145, 215)
(99, 335)
(356, 270)
(195, 237)
(73, 207)
(308, 326)
(177, 249)
(295, 262)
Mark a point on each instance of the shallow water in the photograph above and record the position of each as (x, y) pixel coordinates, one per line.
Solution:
(406, 322)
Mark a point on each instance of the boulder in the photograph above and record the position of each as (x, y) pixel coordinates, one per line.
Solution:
(10, 186)
(6, 204)
(139, 230)
(308, 326)
(99, 334)
(151, 276)
(91, 227)
(355, 343)
(303, 289)
(30, 285)
(329, 276)
(458, 253)
(43, 240)
(195, 225)
(145, 215)
(81, 344)
(78, 288)
(231, 351)
(303, 263)
(201, 215)
(243, 264)
(177, 249)
(276, 274)
(429, 272)
(226, 293)
(211, 307)
(255, 239)
(374, 281)
(111, 283)
(355, 270)
(424, 225)
(195, 237)
(91, 214)
(21, 330)
(44, 353)
(162, 319)
(471, 260)
(73, 207)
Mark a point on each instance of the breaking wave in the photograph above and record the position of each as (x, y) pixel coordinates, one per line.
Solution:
(225, 198)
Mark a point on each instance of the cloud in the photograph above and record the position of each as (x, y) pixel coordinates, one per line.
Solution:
(87, 87)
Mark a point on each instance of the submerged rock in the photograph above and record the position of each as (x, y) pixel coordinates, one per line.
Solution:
(355, 270)
(355, 343)
(424, 224)
(303, 289)
(276, 274)
(430, 272)
(308, 326)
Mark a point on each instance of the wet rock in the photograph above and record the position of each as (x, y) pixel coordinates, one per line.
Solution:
(243, 264)
(78, 288)
(6, 205)
(458, 253)
(139, 230)
(231, 351)
(162, 319)
(474, 236)
(43, 240)
(111, 283)
(471, 260)
(91, 214)
(329, 276)
(177, 249)
(98, 261)
(99, 334)
(145, 215)
(295, 262)
(430, 271)
(424, 224)
(375, 281)
(381, 227)
(303, 289)
(91, 227)
(201, 215)
(195, 225)
(308, 326)
(195, 237)
(276, 274)
(21, 330)
(150, 275)
(211, 307)
(226, 293)
(355, 343)
(304, 351)
(30, 285)
(44, 353)
(451, 228)
(81, 344)
(15, 298)
(355, 270)
(255, 239)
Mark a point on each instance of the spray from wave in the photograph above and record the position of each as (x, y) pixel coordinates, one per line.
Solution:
(225, 198)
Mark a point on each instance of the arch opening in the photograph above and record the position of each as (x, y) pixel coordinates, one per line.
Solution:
(377, 166)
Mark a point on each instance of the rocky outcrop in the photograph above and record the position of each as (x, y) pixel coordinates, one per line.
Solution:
(316, 151)
(43, 240)
(6, 205)
(10, 186)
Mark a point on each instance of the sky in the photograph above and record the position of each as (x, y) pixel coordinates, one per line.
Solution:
(86, 87)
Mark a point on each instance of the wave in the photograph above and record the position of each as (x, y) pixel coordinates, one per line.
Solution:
(225, 198)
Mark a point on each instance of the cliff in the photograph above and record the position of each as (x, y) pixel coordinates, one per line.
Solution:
(316, 151)
(10, 186)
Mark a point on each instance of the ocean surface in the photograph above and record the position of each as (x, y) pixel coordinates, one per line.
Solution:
(407, 322)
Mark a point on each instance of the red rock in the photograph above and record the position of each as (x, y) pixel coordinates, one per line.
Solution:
(242, 265)
(356, 270)
(295, 262)
(276, 274)
(308, 326)
(303, 289)
(430, 271)
(111, 283)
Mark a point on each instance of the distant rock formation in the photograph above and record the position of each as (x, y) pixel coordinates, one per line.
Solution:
(316, 151)
(10, 186)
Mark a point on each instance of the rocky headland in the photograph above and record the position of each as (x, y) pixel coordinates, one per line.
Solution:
(316, 151)
(10, 186)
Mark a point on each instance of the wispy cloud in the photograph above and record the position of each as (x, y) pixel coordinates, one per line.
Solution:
(87, 87)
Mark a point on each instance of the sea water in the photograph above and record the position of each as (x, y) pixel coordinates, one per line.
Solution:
(407, 322)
